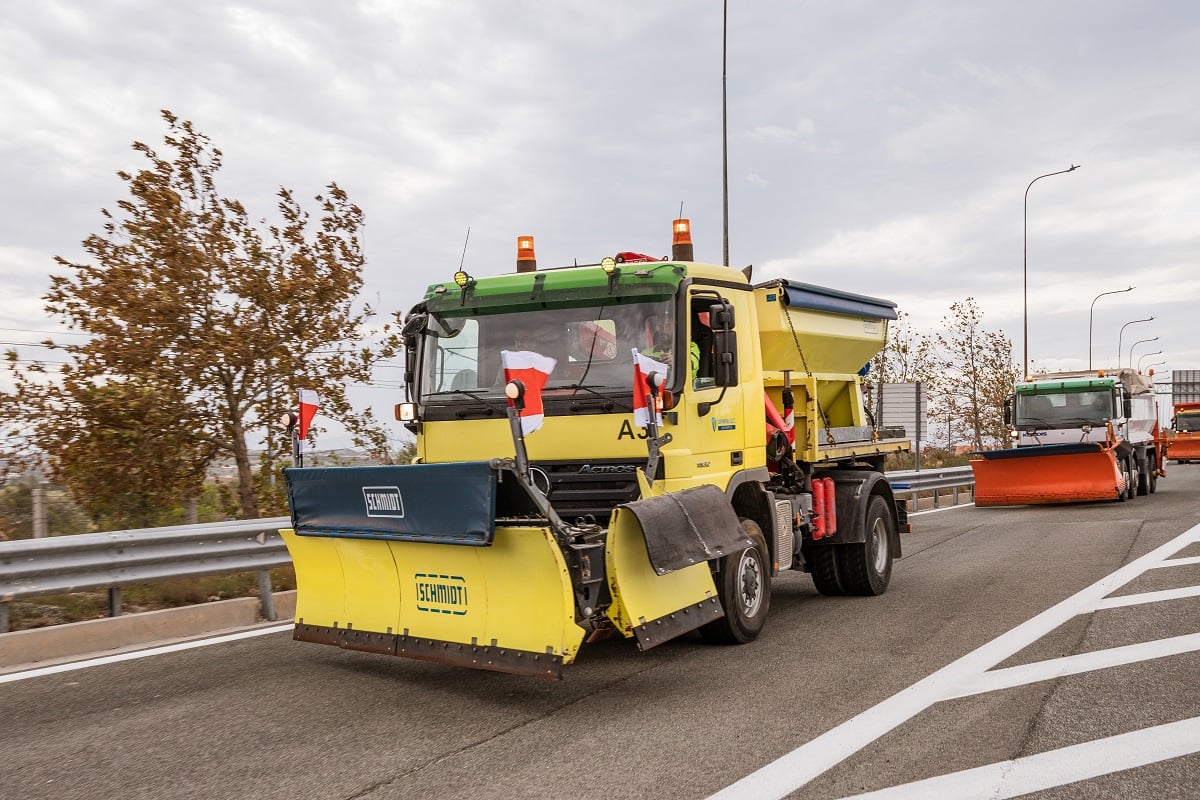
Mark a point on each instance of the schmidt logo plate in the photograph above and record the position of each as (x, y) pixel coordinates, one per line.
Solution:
(383, 501)
(441, 594)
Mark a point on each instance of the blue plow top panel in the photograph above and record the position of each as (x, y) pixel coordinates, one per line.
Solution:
(444, 503)
(821, 298)
(1065, 449)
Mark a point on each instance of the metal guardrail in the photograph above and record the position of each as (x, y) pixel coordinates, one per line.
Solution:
(111, 560)
(932, 482)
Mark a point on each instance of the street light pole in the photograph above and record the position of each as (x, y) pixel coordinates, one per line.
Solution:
(1135, 344)
(1025, 266)
(1121, 335)
(1090, 310)
(1145, 356)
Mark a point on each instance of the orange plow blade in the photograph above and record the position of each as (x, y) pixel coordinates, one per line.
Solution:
(1184, 447)
(1056, 473)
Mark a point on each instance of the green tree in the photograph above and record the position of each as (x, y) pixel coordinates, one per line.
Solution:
(184, 291)
(978, 372)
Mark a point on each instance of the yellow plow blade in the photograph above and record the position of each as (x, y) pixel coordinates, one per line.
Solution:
(647, 604)
(1047, 474)
(507, 607)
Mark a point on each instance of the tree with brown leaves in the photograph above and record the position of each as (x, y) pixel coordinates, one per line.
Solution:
(201, 327)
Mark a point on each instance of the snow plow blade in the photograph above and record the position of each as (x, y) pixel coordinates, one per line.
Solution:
(1183, 447)
(1055, 473)
(657, 554)
(386, 565)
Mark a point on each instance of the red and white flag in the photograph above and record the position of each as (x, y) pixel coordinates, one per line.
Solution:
(533, 370)
(308, 410)
(642, 366)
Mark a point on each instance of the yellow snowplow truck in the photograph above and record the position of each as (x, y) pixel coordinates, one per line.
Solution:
(561, 494)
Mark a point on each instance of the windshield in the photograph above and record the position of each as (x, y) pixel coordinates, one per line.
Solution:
(1066, 409)
(592, 349)
(1187, 422)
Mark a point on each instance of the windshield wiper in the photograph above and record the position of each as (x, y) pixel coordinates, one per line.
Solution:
(591, 389)
(478, 397)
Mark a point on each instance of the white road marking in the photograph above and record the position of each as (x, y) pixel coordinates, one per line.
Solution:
(1148, 597)
(793, 770)
(1009, 677)
(1054, 768)
(130, 656)
(943, 508)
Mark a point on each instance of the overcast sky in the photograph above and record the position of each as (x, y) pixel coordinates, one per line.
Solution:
(878, 147)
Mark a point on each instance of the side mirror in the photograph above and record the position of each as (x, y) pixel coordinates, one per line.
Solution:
(725, 355)
(720, 316)
(414, 325)
(1008, 409)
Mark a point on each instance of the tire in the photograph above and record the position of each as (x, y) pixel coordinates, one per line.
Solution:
(866, 567)
(1152, 464)
(823, 566)
(1127, 492)
(1143, 476)
(744, 586)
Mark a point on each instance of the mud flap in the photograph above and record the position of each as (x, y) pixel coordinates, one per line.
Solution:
(507, 607)
(688, 527)
(1067, 473)
(649, 605)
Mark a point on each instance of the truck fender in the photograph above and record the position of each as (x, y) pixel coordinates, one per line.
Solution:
(854, 489)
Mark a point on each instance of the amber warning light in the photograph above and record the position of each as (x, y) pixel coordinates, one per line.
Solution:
(681, 240)
(526, 260)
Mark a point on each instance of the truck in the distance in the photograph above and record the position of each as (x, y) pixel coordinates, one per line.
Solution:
(551, 505)
(1076, 436)
(1183, 440)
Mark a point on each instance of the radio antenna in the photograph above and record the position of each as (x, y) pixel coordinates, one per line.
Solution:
(464, 255)
(724, 131)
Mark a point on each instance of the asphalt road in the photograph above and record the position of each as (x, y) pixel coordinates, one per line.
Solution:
(878, 693)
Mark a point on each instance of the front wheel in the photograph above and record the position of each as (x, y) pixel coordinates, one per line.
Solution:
(1127, 492)
(866, 568)
(744, 586)
(1152, 467)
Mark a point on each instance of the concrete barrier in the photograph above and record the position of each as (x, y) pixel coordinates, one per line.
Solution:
(99, 636)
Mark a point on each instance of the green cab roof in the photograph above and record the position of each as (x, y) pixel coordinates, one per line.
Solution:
(559, 288)
(1078, 384)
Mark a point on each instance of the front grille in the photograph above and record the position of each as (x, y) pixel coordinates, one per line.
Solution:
(581, 488)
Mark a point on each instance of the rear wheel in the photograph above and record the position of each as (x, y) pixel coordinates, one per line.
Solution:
(866, 568)
(1152, 465)
(823, 566)
(744, 586)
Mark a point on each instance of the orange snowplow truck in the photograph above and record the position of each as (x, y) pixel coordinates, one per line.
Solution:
(1077, 437)
(1183, 440)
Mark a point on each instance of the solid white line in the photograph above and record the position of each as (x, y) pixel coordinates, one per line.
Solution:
(153, 651)
(1009, 677)
(1054, 768)
(943, 508)
(792, 770)
(1179, 562)
(1148, 597)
